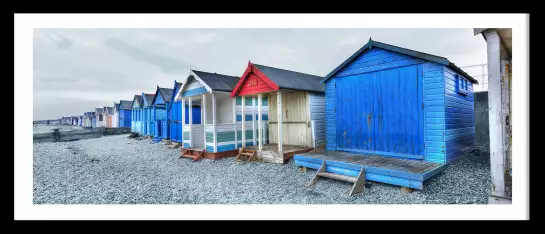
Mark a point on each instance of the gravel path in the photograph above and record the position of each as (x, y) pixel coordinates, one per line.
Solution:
(115, 169)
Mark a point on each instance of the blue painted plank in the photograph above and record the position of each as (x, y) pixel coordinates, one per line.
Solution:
(194, 92)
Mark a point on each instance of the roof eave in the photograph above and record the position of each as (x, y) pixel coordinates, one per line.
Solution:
(459, 70)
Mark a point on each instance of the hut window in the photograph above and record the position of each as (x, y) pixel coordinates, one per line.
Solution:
(99, 117)
(461, 85)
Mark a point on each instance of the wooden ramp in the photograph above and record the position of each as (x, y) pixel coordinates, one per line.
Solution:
(401, 172)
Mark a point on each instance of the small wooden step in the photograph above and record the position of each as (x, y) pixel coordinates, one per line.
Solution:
(248, 153)
(358, 182)
(196, 155)
(338, 177)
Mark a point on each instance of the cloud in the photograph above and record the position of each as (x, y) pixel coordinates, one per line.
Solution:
(202, 37)
(166, 63)
(77, 69)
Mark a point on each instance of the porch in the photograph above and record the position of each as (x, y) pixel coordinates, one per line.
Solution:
(282, 118)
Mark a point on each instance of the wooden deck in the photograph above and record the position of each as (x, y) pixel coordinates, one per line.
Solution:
(270, 152)
(402, 172)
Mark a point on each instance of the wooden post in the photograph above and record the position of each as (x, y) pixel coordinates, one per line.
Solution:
(279, 125)
(183, 123)
(253, 122)
(214, 122)
(190, 106)
(235, 121)
(260, 120)
(243, 123)
(204, 120)
(495, 115)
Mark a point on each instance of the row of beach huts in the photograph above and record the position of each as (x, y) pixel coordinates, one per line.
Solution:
(386, 114)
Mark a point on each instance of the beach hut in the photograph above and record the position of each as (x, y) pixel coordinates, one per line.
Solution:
(115, 116)
(146, 114)
(108, 114)
(87, 120)
(99, 116)
(394, 115)
(160, 104)
(215, 137)
(175, 115)
(296, 112)
(93, 120)
(136, 110)
(80, 123)
(124, 116)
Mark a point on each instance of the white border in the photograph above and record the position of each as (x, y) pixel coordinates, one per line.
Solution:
(24, 208)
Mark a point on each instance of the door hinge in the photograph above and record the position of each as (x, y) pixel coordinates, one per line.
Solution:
(422, 105)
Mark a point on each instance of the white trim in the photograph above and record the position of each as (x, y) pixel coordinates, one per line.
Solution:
(203, 118)
(243, 120)
(214, 121)
(235, 121)
(190, 122)
(191, 73)
(279, 125)
(260, 120)
(183, 120)
(253, 120)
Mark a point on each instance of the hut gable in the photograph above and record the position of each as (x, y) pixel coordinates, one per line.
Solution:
(259, 78)
(147, 99)
(200, 82)
(136, 102)
(124, 105)
(375, 56)
(162, 95)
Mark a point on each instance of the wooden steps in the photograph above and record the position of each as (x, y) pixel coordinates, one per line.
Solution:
(196, 155)
(249, 154)
(358, 182)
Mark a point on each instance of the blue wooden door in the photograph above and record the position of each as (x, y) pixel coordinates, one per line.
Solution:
(164, 129)
(380, 112)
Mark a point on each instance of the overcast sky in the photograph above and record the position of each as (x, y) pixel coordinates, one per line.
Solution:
(76, 70)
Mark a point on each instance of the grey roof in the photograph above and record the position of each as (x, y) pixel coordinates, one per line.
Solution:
(137, 98)
(292, 80)
(98, 111)
(125, 105)
(109, 110)
(165, 93)
(218, 82)
(397, 49)
(149, 98)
